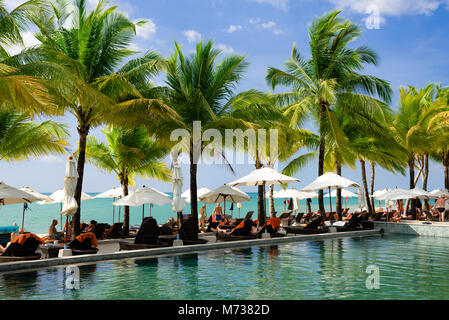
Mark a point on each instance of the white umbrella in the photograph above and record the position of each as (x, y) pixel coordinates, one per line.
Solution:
(438, 193)
(36, 194)
(142, 196)
(344, 194)
(58, 196)
(11, 195)
(422, 194)
(199, 193)
(329, 181)
(380, 193)
(261, 177)
(223, 194)
(111, 194)
(395, 194)
(178, 202)
(69, 205)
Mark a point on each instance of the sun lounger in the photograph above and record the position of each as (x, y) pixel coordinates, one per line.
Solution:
(238, 234)
(188, 233)
(18, 251)
(313, 227)
(354, 224)
(116, 231)
(84, 244)
(146, 238)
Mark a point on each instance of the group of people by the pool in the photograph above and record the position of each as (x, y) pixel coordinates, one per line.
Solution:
(221, 222)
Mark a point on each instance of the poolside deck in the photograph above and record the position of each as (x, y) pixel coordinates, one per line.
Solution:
(418, 228)
(108, 250)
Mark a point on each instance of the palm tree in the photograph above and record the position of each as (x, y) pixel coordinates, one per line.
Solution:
(81, 63)
(22, 139)
(201, 91)
(330, 75)
(410, 126)
(20, 91)
(128, 152)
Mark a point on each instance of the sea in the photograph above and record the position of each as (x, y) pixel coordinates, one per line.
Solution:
(38, 217)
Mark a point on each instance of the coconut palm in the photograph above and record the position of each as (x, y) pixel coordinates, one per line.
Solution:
(330, 75)
(81, 60)
(411, 126)
(201, 91)
(23, 139)
(19, 91)
(128, 152)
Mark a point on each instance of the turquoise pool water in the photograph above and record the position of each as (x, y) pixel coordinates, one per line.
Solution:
(409, 268)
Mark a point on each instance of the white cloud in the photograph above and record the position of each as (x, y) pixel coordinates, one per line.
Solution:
(225, 48)
(390, 7)
(234, 28)
(147, 30)
(192, 35)
(269, 25)
(278, 4)
(28, 41)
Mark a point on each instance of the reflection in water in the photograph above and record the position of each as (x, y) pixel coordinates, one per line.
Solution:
(410, 268)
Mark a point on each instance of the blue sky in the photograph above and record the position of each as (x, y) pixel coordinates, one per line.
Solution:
(411, 41)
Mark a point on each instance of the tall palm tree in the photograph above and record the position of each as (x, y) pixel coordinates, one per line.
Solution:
(81, 62)
(22, 139)
(128, 152)
(201, 91)
(410, 126)
(330, 75)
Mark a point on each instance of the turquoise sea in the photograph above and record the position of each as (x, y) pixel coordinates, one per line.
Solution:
(38, 218)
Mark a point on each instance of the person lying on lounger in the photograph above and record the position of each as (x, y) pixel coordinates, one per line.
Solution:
(397, 217)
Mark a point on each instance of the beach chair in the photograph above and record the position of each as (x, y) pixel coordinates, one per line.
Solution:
(313, 227)
(354, 224)
(238, 234)
(100, 228)
(307, 218)
(188, 233)
(146, 238)
(85, 243)
(22, 249)
(115, 232)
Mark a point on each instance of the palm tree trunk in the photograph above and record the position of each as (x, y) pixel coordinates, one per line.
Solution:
(193, 190)
(373, 173)
(338, 200)
(411, 165)
(425, 178)
(261, 215)
(82, 132)
(365, 188)
(446, 168)
(321, 158)
(125, 228)
(272, 209)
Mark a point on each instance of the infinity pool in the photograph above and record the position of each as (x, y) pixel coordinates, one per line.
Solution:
(409, 268)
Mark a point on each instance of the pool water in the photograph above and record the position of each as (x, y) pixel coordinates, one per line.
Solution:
(409, 268)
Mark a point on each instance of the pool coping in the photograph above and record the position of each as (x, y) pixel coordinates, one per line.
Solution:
(147, 253)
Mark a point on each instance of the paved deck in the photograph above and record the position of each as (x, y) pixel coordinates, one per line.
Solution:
(418, 228)
(108, 250)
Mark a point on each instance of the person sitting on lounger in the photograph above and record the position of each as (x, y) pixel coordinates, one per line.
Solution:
(397, 217)
(53, 233)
